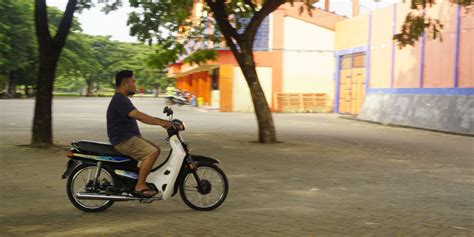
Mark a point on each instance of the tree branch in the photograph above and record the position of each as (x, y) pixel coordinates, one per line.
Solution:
(222, 19)
(226, 28)
(252, 27)
(66, 23)
(250, 3)
(41, 22)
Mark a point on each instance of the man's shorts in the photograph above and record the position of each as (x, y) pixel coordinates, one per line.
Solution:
(136, 147)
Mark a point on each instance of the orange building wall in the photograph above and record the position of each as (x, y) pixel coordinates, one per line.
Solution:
(380, 67)
(225, 87)
(407, 60)
(262, 59)
(352, 33)
(173, 69)
(381, 48)
(204, 86)
(184, 83)
(199, 84)
(466, 51)
(439, 66)
(276, 58)
(273, 58)
(440, 56)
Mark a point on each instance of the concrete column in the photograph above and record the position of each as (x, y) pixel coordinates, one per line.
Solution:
(355, 8)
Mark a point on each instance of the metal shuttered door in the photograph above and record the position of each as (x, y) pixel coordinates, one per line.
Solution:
(352, 83)
(345, 84)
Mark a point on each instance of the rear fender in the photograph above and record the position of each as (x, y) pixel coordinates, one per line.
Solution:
(70, 166)
(73, 163)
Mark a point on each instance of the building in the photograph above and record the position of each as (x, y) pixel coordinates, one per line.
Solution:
(294, 55)
(430, 85)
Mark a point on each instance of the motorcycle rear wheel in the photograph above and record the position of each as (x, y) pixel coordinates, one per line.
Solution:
(77, 182)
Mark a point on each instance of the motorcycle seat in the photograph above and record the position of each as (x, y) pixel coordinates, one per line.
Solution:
(99, 148)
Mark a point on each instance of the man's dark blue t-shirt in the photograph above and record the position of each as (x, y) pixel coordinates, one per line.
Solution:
(120, 127)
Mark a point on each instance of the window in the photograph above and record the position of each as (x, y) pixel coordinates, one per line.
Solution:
(215, 79)
(346, 61)
(356, 60)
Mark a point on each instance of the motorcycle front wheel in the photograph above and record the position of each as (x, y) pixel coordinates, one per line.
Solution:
(215, 190)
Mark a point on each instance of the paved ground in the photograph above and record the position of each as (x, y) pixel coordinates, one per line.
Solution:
(329, 177)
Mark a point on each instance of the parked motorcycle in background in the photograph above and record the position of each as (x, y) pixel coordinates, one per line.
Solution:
(180, 98)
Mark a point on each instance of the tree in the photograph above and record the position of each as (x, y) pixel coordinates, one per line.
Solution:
(50, 48)
(241, 45)
(417, 23)
(157, 61)
(237, 20)
(92, 61)
(17, 46)
(80, 60)
(49, 51)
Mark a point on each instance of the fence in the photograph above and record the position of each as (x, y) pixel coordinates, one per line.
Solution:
(302, 102)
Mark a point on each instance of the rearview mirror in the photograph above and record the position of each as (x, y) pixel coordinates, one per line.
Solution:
(168, 111)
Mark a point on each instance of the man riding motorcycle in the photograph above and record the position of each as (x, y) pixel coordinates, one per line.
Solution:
(124, 134)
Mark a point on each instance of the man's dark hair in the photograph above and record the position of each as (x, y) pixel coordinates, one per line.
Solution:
(122, 75)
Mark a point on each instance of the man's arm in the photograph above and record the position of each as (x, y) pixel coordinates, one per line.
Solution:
(145, 118)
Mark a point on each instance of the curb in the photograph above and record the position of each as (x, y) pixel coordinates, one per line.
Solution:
(351, 117)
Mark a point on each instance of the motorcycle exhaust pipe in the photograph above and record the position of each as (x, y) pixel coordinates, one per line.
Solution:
(96, 196)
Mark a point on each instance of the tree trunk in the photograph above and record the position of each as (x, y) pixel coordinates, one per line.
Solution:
(12, 84)
(49, 51)
(27, 91)
(42, 122)
(244, 56)
(89, 88)
(266, 127)
(157, 89)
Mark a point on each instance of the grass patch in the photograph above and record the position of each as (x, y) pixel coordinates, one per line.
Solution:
(66, 94)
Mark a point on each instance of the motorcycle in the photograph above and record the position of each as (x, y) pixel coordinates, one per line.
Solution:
(180, 98)
(98, 175)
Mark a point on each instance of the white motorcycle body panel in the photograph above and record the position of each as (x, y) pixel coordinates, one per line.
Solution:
(168, 173)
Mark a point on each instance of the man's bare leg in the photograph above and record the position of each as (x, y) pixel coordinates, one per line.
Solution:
(146, 166)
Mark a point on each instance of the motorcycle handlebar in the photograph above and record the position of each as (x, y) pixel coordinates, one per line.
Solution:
(177, 127)
(178, 124)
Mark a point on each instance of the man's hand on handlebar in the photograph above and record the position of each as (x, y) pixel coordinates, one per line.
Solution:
(167, 125)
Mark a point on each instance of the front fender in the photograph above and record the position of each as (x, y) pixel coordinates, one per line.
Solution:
(204, 159)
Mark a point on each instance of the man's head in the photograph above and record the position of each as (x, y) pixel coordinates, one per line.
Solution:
(125, 82)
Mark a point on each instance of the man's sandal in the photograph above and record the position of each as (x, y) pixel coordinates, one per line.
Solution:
(142, 193)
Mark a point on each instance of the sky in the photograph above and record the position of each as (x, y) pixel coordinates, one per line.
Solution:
(344, 7)
(95, 22)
